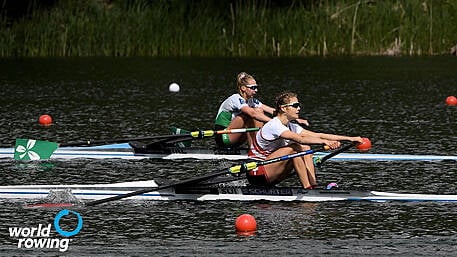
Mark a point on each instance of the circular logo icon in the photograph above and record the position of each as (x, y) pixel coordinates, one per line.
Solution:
(63, 232)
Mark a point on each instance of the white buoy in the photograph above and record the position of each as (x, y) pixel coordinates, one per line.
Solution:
(174, 88)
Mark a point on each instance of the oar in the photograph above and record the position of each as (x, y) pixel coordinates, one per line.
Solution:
(364, 146)
(179, 183)
(318, 162)
(190, 135)
(237, 169)
(30, 149)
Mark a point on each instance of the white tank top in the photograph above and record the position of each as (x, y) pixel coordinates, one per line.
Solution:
(268, 138)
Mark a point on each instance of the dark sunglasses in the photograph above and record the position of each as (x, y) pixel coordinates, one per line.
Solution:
(253, 87)
(295, 105)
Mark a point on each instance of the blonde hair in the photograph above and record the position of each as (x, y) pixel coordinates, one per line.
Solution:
(242, 79)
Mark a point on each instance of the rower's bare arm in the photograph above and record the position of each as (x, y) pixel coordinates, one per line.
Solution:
(267, 109)
(342, 138)
(302, 122)
(305, 139)
(332, 137)
(256, 113)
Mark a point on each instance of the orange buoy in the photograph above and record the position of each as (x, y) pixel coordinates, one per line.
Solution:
(365, 145)
(45, 120)
(451, 100)
(246, 224)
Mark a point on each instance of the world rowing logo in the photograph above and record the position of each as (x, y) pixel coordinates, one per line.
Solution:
(63, 213)
(40, 236)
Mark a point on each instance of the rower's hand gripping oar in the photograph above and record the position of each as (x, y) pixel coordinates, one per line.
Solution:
(30, 149)
(234, 170)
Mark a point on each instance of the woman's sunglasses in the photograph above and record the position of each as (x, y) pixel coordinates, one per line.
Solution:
(253, 87)
(295, 105)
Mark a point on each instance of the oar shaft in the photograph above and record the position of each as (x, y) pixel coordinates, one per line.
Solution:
(147, 190)
(240, 130)
(91, 142)
(255, 164)
(330, 155)
(210, 133)
(287, 157)
(190, 135)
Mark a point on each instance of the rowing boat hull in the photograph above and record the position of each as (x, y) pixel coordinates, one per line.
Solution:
(124, 151)
(215, 193)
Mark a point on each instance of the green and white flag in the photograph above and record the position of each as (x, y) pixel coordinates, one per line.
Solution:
(29, 149)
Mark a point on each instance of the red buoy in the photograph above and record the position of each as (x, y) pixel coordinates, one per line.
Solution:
(246, 223)
(451, 100)
(365, 145)
(45, 120)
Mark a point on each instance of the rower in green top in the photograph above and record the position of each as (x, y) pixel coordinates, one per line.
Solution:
(241, 110)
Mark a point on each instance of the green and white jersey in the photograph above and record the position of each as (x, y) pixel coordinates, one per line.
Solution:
(231, 107)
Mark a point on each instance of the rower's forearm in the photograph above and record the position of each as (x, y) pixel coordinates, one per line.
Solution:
(262, 117)
(337, 137)
(305, 140)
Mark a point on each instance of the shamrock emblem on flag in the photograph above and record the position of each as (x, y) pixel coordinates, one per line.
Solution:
(29, 149)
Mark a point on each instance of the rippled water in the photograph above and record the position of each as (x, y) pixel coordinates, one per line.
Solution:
(397, 102)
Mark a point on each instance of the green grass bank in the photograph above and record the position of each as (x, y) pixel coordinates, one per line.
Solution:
(232, 28)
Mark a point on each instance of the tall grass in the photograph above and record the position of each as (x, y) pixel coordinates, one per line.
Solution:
(233, 28)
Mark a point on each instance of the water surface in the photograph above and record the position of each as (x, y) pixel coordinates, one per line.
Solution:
(397, 102)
